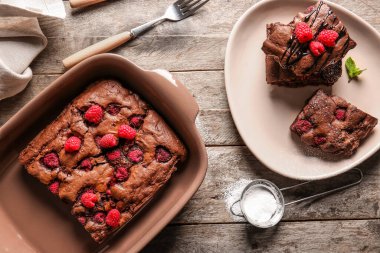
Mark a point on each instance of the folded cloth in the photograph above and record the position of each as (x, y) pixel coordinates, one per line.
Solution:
(21, 40)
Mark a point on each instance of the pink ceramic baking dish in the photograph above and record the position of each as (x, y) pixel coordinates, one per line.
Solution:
(33, 220)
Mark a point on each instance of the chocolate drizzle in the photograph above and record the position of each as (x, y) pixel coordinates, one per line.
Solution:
(295, 51)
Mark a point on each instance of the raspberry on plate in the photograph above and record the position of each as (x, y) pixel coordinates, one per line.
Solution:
(94, 114)
(316, 48)
(328, 37)
(73, 144)
(303, 32)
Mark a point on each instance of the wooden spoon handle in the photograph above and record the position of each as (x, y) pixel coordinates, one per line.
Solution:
(83, 3)
(100, 47)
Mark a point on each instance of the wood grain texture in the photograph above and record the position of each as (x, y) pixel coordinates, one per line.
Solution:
(227, 165)
(174, 53)
(348, 221)
(328, 236)
(215, 18)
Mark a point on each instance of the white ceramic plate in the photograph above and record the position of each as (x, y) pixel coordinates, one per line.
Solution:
(263, 113)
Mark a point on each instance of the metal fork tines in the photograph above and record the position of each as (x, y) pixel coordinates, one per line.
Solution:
(177, 11)
(188, 7)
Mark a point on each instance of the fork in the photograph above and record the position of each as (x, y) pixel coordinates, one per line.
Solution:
(177, 11)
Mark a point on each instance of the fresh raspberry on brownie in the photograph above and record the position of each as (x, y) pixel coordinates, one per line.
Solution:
(113, 218)
(126, 132)
(72, 144)
(89, 199)
(96, 180)
(108, 141)
(94, 114)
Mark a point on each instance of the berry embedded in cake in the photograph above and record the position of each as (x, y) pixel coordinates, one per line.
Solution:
(332, 124)
(107, 154)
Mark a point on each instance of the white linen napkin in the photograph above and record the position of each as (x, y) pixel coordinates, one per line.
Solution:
(21, 40)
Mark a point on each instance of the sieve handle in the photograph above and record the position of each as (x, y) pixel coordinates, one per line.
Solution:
(232, 209)
(360, 173)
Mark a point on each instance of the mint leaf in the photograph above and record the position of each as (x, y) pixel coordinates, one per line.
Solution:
(352, 70)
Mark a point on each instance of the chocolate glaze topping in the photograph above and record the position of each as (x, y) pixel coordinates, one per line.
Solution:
(296, 57)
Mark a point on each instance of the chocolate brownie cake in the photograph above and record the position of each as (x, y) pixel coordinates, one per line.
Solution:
(309, 49)
(276, 75)
(332, 124)
(107, 154)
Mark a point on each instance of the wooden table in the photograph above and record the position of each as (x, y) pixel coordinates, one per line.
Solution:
(194, 50)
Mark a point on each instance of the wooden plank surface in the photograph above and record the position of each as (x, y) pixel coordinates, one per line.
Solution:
(348, 221)
(311, 237)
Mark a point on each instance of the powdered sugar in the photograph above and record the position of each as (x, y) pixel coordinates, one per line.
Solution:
(233, 193)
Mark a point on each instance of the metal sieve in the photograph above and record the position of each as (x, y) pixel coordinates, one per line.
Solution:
(279, 197)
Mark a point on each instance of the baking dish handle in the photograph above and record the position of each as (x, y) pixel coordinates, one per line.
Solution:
(182, 98)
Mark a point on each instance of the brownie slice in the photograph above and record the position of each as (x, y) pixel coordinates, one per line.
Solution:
(276, 75)
(296, 57)
(332, 124)
(106, 154)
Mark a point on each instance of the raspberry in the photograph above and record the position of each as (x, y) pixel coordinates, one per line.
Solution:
(88, 199)
(303, 32)
(51, 160)
(316, 48)
(340, 114)
(319, 140)
(328, 37)
(302, 126)
(113, 109)
(121, 174)
(54, 188)
(135, 155)
(114, 155)
(108, 192)
(82, 220)
(86, 164)
(99, 217)
(163, 155)
(126, 132)
(94, 114)
(72, 144)
(113, 218)
(136, 121)
(108, 141)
